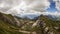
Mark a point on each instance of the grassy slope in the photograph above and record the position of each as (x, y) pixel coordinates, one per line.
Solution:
(6, 28)
(49, 23)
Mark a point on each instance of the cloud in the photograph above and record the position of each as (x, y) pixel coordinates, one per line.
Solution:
(38, 5)
(27, 7)
(52, 13)
(57, 4)
(9, 3)
(21, 7)
(24, 6)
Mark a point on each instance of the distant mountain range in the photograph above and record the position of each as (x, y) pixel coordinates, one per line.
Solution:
(32, 16)
(53, 17)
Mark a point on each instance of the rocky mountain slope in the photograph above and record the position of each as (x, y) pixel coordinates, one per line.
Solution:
(12, 25)
(40, 25)
(7, 25)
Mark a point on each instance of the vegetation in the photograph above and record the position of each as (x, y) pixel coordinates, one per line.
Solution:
(45, 25)
(6, 27)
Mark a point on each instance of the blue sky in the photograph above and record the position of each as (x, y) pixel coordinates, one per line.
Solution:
(52, 6)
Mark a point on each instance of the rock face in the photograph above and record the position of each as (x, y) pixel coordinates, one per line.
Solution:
(7, 24)
(45, 25)
(42, 25)
(8, 19)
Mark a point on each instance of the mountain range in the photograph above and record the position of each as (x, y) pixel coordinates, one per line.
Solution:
(43, 24)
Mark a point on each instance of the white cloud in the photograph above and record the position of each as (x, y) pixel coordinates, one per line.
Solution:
(24, 6)
(57, 4)
(27, 7)
(10, 3)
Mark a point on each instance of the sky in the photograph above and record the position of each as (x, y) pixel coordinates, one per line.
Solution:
(52, 6)
(30, 7)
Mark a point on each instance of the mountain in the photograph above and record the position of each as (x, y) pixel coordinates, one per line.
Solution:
(53, 17)
(13, 25)
(7, 24)
(35, 16)
(29, 16)
(43, 24)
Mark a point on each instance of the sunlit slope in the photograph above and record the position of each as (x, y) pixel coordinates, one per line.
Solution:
(46, 25)
(15, 25)
(6, 27)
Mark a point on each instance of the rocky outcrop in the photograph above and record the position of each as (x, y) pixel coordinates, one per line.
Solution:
(7, 19)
